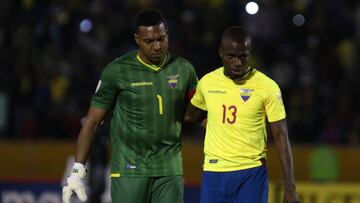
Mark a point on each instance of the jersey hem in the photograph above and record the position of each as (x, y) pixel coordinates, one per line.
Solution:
(155, 175)
(277, 119)
(229, 169)
(93, 104)
(197, 105)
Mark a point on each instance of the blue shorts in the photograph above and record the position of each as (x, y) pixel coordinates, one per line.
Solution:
(243, 186)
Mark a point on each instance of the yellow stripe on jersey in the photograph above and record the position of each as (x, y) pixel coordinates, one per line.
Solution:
(154, 67)
(115, 175)
(237, 112)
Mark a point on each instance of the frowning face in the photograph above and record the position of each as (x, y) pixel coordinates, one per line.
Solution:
(235, 56)
(153, 43)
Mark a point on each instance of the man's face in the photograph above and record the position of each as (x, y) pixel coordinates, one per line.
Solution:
(153, 43)
(235, 56)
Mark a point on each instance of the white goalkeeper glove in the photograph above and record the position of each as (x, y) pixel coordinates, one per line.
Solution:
(75, 184)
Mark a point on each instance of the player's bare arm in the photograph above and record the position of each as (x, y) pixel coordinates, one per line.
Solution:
(194, 114)
(280, 134)
(87, 133)
(75, 182)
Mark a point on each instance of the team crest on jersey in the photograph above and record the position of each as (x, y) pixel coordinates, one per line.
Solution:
(172, 80)
(245, 93)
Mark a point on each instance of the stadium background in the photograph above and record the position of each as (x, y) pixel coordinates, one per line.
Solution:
(52, 52)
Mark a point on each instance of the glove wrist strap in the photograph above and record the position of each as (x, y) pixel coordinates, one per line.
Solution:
(79, 170)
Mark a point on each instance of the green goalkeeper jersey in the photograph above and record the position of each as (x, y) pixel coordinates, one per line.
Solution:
(148, 107)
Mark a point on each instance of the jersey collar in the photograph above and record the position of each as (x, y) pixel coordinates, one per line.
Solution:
(244, 76)
(152, 66)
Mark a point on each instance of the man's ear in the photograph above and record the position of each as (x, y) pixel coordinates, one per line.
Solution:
(220, 52)
(136, 37)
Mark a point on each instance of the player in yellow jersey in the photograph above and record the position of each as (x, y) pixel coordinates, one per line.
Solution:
(238, 100)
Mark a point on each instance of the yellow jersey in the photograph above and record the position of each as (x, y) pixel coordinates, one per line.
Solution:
(237, 111)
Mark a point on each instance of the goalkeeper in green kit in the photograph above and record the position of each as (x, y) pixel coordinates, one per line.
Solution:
(146, 90)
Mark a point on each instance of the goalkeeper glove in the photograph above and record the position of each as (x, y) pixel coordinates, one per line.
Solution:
(75, 184)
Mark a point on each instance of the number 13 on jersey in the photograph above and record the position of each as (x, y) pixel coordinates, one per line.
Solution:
(229, 114)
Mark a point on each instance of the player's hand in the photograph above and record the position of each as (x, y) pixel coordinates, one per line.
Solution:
(75, 184)
(291, 197)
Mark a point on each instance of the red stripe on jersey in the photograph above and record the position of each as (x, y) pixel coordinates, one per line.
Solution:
(190, 94)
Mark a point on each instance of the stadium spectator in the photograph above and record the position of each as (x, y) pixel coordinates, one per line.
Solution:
(42, 48)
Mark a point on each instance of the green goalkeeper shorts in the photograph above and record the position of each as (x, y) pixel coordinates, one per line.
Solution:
(147, 189)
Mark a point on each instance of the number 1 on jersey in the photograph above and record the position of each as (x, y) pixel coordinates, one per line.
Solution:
(160, 104)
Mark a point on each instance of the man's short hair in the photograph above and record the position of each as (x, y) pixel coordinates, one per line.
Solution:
(148, 18)
(236, 33)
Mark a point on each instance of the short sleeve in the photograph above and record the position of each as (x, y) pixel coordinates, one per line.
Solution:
(198, 99)
(274, 105)
(193, 80)
(106, 90)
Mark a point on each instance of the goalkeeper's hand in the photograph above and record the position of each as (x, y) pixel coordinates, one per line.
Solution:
(75, 184)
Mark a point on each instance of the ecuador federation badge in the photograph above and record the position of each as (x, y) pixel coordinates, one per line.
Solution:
(245, 93)
(172, 80)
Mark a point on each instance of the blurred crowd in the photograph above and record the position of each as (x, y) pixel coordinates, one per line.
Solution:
(52, 54)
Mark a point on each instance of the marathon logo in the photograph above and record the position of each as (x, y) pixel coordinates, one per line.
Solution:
(136, 84)
(217, 92)
(130, 166)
